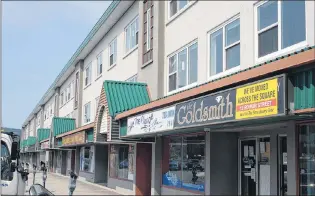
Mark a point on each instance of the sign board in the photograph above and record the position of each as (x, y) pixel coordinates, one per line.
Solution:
(44, 145)
(74, 139)
(257, 100)
(151, 122)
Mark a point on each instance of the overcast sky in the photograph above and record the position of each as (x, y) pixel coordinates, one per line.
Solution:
(38, 39)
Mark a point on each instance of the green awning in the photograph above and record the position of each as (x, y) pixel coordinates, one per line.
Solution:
(123, 96)
(31, 140)
(43, 134)
(62, 125)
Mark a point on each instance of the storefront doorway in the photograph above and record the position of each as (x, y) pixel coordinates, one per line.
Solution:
(283, 169)
(254, 168)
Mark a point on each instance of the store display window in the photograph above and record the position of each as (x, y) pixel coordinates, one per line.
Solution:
(122, 161)
(184, 162)
(87, 159)
(307, 160)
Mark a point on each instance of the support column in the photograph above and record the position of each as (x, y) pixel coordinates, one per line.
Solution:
(207, 170)
(156, 167)
(292, 155)
(80, 68)
(42, 112)
(274, 164)
(56, 107)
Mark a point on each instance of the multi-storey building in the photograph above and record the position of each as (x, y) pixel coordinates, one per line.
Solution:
(219, 108)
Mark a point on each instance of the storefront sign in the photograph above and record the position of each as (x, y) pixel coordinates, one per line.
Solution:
(156, 121)
(44, 145)
(73, 139)
(256, 100)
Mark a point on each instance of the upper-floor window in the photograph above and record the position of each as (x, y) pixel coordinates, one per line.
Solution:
(133, 78)
(61, 99)
(225, 47)
(76, 99)
(148, 29)
(279, 25)
(68, 93)
(99, 60)
(51, 111)
(87, 78)
(131, 35)
(113, 52)
(176, 5)
(87, 112)
(183, 67)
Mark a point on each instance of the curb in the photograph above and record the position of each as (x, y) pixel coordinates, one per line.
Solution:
(87, 182)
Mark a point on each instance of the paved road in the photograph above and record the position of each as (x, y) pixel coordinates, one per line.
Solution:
(58, 185)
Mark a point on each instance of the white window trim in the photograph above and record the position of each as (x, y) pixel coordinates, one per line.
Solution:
(90, 75)
(167, 69)
(179, 12)
(125, 33)
(84, 114)
(280, 51)
(97, 67)
(148, 29)
(229, 71)
(115, 51)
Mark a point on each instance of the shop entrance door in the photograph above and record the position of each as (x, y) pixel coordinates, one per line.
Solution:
(282, 147)
(254, 166)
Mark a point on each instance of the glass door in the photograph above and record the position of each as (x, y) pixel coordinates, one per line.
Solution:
(282, 155)
(248, 183)
(264, 166)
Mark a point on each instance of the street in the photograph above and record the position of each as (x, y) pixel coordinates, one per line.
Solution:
(58, 185)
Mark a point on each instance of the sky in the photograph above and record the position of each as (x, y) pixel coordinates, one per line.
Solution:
(38, 39)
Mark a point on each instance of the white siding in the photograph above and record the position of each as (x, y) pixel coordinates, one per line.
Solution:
(126, 65)
(50, 104)
(203, 16)
(67, 107)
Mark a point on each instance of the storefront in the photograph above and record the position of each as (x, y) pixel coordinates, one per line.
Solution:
(239, 141)
(115, 159)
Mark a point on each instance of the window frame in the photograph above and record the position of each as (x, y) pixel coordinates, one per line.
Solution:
(129, 26)
(87, 120)
(85, 75)
(214, 30)
(179, 11)
(61, 98)
(99, 67)
(195, 41)
(133, 78)
(114, 54)
(76, 91)
(148, 38)
(280, 51)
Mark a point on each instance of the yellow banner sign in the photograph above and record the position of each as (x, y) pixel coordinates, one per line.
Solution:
(77, 138)
(257, 100)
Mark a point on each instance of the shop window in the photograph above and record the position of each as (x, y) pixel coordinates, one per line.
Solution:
(184, 162)
(122, 161)
(59, 156)
(306, 160)
(87, 159)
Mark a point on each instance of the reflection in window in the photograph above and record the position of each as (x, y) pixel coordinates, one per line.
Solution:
(87, 159)
(122, 161)
(307, 159)
(291, 21)
(183, 67)
(184, 162)
(6, 173)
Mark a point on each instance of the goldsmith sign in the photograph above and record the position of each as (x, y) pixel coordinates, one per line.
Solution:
(256, 100)
(73, 139)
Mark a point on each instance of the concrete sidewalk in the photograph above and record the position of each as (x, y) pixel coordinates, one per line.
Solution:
(58, 185)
